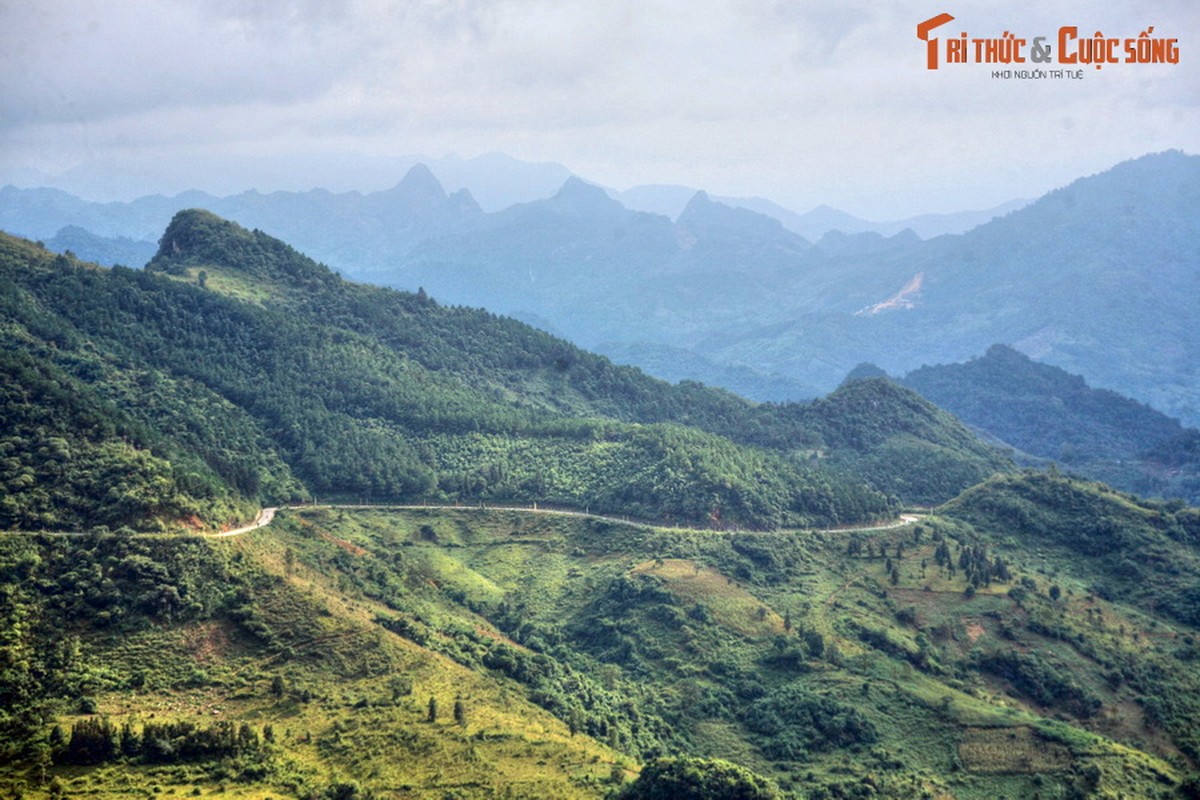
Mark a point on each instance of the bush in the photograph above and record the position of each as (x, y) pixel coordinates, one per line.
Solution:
(790, 722)
(698, 779)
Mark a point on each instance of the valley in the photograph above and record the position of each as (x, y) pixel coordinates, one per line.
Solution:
(452, 400)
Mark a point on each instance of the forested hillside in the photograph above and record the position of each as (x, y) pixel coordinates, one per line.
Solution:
(278, 380)
(1045, 412)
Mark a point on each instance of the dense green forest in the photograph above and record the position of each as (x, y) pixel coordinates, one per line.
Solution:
(252, 373)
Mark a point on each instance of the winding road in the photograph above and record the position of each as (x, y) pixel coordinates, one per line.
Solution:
(268, 514)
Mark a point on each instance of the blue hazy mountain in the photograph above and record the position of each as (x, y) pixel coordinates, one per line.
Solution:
(670, 200)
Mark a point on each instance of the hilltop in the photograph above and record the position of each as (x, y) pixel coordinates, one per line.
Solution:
(1046, 413)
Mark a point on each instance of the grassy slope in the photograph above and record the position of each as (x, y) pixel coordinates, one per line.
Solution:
(354, 701)
(650, 641)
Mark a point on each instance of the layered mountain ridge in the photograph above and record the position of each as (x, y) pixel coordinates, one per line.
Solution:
(1093, 278)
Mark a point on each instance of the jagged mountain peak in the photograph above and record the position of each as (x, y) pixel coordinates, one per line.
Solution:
(419, 183)
(577, 197)
(463, 200)
(702, 212)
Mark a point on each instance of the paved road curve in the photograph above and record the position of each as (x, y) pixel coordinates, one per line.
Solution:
(264, 518)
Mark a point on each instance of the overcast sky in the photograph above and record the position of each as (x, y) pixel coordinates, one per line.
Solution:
(801, 102)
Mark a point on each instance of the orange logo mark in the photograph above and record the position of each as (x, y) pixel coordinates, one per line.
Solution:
(931, 47)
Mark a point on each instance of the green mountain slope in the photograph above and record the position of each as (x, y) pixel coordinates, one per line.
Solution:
(1135, 550)
(279, 379)
(1033, 636)
(902, 443)
(1050, 414)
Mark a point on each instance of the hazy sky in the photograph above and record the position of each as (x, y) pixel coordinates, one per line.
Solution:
(802, 102)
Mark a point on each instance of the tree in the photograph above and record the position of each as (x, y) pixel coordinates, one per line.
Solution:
(460, 712)
(93, 741)
(433, 710)
(815, 642)
(277, 686)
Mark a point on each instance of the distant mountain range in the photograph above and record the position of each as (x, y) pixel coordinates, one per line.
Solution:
(495, 181)
(671, 200)
(1097, 277)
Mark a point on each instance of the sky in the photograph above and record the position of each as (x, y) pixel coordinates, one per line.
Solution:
(805, 103)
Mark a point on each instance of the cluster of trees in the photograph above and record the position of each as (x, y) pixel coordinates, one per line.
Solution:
(979, 568)
(689, 778)
(790, 722)
(96, 740)
(66, 460)
(1048, 684)
(585, 704)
